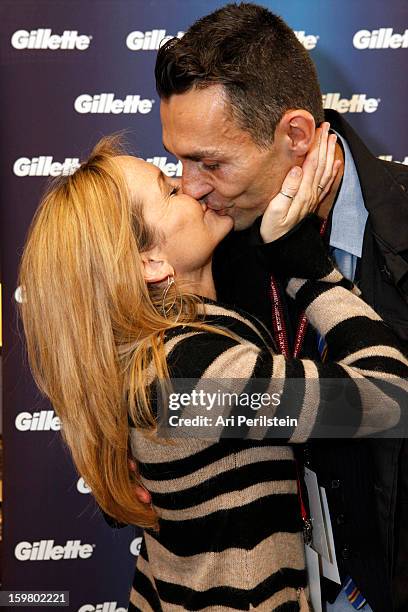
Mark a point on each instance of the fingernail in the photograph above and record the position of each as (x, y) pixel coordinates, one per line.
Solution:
(296, 171)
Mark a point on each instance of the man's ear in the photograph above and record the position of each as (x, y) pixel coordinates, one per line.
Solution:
(156, 267)
(297, 127)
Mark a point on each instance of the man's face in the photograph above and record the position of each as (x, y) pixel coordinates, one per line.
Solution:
(222, 166)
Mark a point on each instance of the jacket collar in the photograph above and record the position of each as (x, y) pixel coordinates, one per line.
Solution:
(386, 202)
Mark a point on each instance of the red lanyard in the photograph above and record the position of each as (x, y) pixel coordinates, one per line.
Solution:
(278, 319)
(307, 521)
(281, 335)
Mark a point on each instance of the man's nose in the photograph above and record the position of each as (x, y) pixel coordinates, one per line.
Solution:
(193, 183)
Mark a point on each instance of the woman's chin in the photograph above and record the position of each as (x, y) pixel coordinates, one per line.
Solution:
(222, 224)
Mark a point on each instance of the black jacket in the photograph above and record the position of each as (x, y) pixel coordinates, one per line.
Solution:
(365, 481)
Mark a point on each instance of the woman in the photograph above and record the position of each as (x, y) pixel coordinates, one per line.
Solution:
(119, 295)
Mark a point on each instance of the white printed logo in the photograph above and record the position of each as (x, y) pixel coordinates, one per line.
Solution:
(107, 103)
(44, 39)
(19, 295)
(82, 486)
(45, 166)
(148, 41)
(168, 168)
(384, 38)
(135, 546)
(358, 103)
(44, 550)
(39, 421)
(153, 39)
(106, 606)
(396, 161)
(309, 41)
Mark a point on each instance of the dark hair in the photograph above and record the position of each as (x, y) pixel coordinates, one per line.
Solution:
(253, 53)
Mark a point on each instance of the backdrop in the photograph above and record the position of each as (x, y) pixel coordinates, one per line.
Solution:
(72, 71)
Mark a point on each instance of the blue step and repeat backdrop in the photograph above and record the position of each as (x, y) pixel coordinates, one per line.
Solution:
(72, 71)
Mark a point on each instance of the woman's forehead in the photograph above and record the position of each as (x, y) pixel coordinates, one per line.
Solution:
(137, 171)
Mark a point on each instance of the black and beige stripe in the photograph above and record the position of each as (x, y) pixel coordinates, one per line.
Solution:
(230, 527)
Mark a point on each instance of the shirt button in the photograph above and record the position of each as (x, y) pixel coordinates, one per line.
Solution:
(346, 552)
(340, 519)
(335, 484)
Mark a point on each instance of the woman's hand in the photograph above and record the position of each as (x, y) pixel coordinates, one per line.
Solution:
(141, 493)
(303, 188)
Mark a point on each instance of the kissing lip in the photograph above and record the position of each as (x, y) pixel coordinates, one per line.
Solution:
(220, 211)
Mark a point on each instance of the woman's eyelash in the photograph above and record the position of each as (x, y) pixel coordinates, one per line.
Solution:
(175, 190)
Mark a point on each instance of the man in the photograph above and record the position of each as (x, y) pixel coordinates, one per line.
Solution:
(240, 102)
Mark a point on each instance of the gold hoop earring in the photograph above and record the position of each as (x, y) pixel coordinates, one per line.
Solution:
(170, 282)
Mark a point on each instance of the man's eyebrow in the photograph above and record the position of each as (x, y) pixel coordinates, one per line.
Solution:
(198, 154)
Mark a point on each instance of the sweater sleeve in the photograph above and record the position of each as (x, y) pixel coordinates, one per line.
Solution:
(301, 252)
(360, 390)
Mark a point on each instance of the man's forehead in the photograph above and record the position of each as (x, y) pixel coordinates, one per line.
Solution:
(198, 124)
(206, 102)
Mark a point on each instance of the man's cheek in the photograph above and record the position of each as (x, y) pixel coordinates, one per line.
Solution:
(228, 195)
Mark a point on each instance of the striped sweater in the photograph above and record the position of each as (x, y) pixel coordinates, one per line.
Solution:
(230, 533)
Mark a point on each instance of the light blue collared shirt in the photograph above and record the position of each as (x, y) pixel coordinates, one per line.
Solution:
(346, 243)
(349, 218)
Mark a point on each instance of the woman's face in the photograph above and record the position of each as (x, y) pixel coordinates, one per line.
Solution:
(189, 230)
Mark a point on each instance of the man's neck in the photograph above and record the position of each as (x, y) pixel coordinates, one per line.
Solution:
(327, 204)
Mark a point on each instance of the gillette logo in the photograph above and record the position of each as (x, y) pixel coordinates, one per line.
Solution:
(106, 606)
(135, 546)
(39, 421)
(148, 41)
(45, 166)
(107, 103)
(82, 487)
(153, 39)
(45, 39)
(45, 550)
(309, 41)
(358, 103)
(168, 168)
(384, 38)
